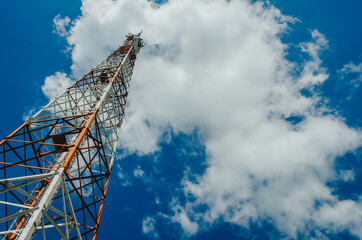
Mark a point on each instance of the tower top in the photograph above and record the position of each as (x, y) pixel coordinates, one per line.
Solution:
(134, 39)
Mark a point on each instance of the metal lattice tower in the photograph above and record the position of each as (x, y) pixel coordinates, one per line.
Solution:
(55, 168)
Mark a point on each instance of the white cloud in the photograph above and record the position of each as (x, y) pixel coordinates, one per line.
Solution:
(220, 67)
(61, 25)
(148, 227)
(55, 84)
(309, 78)
(181, 217)
(28, 113)
(341, 215)
(347, 175)
(354, 69)
(351, 78)
(138, 172)
(125, 179)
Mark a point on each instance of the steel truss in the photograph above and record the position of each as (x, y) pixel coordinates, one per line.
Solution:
(55, 168)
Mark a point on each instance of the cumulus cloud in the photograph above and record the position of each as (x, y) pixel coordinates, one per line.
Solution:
(125, 179)
(347, 175)
(28, 113)
(341, 215)
(61, 25)
(351, 77)
(55, 84)
(138, 172)
(313, 74)
(148, 227)
(181, 216)
(219, 67)
(353, 68)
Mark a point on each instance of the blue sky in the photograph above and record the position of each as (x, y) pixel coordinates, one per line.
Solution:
(164, 185)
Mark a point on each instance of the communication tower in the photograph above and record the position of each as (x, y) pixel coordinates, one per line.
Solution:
(55, 168)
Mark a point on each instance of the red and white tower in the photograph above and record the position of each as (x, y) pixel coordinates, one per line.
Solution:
(55, 168)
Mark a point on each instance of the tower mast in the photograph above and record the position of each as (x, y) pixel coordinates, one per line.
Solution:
(55, 168)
